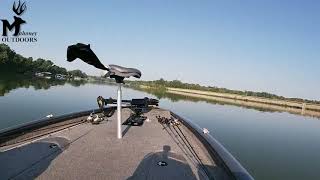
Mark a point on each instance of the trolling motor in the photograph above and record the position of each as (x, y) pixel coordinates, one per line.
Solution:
(83, 52)
(141, 103)
(138, 106)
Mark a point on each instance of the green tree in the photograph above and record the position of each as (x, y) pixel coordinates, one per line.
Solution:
(13, 62)
(78, 73)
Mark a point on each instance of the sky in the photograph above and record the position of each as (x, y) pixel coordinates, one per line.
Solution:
(258, 45)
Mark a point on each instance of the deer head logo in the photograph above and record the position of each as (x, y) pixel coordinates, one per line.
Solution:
(18, 9)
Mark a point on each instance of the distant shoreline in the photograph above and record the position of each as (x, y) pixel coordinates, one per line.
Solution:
(273, 104)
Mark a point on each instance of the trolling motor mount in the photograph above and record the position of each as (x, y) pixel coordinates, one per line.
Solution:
(138, 106)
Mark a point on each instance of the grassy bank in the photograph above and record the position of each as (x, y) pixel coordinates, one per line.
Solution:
(285, 103)
(196, 87)
(300, 108)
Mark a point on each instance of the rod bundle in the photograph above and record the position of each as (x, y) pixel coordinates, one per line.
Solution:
(175, 124)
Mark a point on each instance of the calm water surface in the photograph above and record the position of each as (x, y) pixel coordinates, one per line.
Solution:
(270, 145)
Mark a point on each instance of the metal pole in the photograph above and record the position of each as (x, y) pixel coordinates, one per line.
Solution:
(119, 111)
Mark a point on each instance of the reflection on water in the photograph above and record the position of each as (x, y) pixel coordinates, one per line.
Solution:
(10, 82)
(275, 145)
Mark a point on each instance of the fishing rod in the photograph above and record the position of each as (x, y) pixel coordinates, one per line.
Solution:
(180, 145)
(181, 135)
(175, 123)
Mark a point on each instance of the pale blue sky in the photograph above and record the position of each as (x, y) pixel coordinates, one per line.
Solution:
(259, 45)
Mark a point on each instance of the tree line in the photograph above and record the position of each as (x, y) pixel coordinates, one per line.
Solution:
(12, 62)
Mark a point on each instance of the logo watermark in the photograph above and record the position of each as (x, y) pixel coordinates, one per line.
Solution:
(18, 35)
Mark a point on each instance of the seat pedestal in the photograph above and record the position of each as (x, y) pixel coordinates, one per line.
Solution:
(119, 99)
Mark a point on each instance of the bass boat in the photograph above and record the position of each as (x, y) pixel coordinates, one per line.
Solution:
(122, 139)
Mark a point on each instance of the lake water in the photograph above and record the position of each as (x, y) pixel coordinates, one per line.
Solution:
(270, 145)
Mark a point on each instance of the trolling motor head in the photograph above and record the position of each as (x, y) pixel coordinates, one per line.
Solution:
(84, 52)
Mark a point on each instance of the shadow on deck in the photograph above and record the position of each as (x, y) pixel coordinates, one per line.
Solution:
(163, 165)
(30, 160)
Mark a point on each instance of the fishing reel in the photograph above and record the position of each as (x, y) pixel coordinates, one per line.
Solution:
(104, 102)
(168, 121)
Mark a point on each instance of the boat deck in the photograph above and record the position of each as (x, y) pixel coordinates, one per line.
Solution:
(87, 151)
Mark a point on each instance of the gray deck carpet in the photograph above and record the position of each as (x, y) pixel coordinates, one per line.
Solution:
(89, 151)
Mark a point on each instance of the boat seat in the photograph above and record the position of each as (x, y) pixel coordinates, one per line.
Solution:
(119, 73)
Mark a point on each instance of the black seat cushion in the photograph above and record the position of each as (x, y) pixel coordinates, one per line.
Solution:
(115, 70)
